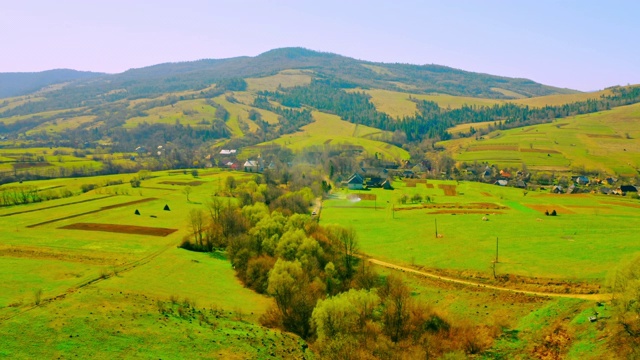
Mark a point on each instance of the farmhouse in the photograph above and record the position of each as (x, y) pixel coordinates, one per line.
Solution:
(252, 166)
(521, 184)
(501, 183)
(228, 152)
(582, 180)
(611, 180)
(355, 182)
(387, 185)
(557, 190)
(628, 188)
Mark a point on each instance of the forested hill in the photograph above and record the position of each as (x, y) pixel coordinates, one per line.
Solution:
(196, 75)
(15, 84)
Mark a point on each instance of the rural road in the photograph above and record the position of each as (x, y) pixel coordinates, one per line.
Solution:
(592, 297)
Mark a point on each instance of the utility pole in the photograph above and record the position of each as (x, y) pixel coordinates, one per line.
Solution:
(436, 221)
(496, 250)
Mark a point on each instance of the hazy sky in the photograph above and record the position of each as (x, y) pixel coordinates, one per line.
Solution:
(585, 45)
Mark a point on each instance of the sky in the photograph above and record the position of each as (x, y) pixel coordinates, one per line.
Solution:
(584, 45)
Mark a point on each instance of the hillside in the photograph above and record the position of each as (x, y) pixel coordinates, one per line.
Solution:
(15, 84)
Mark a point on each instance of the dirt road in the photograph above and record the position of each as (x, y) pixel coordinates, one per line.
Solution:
(592, 297)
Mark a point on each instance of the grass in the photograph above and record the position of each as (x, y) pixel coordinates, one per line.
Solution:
(581, 238)
(330, 129)
(119, 313)
(286, 78)
(603, 141)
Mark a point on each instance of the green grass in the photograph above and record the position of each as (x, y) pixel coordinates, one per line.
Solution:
(118, 314)
(605, 141)
(286, 78)
(330, 129)
(588, 238)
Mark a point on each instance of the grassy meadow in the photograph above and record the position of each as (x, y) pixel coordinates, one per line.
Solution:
(330, 129)
(115, 291)
(589, 237)
(605, 141)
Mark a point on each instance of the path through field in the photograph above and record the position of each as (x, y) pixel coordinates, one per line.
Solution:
(592, 297)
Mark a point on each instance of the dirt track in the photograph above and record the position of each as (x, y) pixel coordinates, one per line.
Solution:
(592, 297)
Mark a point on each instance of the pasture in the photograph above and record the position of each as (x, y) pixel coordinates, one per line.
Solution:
(102, 275)
(330, 129)
(605, 141)
(589, 237)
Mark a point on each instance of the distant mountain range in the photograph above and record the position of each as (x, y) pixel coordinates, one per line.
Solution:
(195, 75)
(15, 84)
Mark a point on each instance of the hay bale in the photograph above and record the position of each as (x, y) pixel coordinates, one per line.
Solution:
(137, 212)
(166, 207)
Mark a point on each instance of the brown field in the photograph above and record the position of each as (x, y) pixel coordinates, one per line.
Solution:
(27, 165)
(486, 194)
(454, 212)
(466, 206)
(504, 147)
(603, 136)
(429, 186)
(542, 208)
(42, 253)
(185, 183)
(124, 229)
(92, 211)
(363, 196)
(636, 206)
(410, 184)
(547, 151)
(449, 190)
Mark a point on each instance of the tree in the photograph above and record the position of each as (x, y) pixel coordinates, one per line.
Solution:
(230, 183)
(345, 314)
(187, 191)
(346, 240)
(416, 198)
(196, 220)
(396, 313)
(626, 301)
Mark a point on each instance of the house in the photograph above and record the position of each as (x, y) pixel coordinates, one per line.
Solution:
(571, 189)
(501, 183)
(408, 174)
(227, 152)
(271, 166)
(582, 180)
(387, 185)
(375, 182)
(505, 174)
(251, 166)
(557, 190)
(355, 182)
(605, 190)
(521, 184)
(628, 188)
(610, 180)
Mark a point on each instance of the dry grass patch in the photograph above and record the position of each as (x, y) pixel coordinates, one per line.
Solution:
(123, 229)
(449, 190)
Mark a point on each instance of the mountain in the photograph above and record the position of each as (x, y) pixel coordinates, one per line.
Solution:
(15, 84)
(196, 75)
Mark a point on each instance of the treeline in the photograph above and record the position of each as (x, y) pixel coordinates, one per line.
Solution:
(322, 290)
(431, 121)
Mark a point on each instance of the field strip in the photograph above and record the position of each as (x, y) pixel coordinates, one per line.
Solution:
(123, 268)
(123, 229)
(55, 206)
(592, 297)
(108, 207)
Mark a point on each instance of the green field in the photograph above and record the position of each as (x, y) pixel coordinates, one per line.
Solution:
(589, 237)
(330, 129)
(102, 289)
(605, 141)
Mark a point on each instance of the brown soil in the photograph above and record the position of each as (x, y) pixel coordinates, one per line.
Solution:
(636, 206)
(185, 183)
(485, 194)
(449, 190)
(429, 186)
(363, 196)
(27, 165)
(603, 136)
(465, 211)
(109, 207)
(542, 208)
(124, 229)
